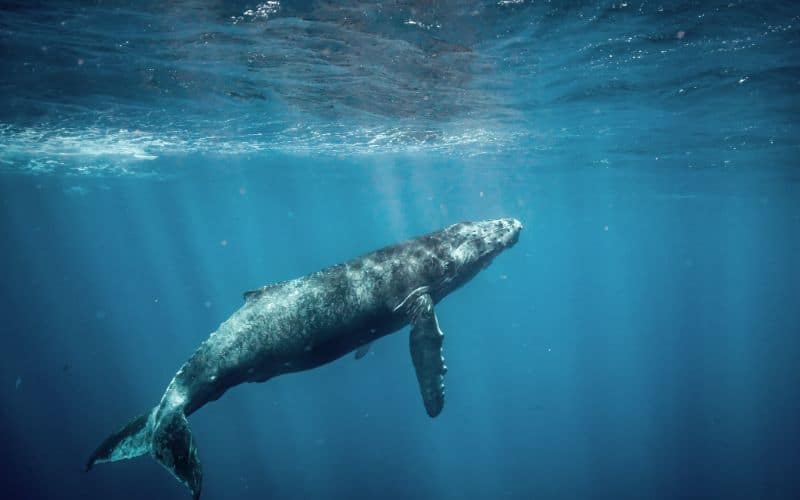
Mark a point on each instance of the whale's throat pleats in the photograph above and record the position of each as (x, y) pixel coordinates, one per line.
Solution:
(426, 352)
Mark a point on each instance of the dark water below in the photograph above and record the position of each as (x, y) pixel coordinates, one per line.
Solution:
(641, 340)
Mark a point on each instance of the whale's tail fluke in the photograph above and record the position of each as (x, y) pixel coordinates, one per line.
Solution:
(166, 436)
(173, 447)
(129, 442)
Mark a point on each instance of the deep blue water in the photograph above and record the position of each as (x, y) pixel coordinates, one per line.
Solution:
(641, 340)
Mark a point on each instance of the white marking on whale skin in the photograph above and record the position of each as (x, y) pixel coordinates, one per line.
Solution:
(464, 253)
(174, 396)
(176, 399)
(360, 285)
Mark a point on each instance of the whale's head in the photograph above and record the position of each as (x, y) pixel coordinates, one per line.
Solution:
(471, 246)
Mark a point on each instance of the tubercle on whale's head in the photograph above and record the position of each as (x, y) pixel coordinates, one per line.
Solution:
(472, 246)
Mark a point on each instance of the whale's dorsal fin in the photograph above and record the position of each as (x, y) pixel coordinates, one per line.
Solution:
(425, 342)
(254, 294)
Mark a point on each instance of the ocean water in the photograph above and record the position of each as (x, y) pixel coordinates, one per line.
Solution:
(641, 340)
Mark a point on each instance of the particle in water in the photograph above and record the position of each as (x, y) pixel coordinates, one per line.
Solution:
(605, 228)
(679, 35)
(18, 383)
(223, 243)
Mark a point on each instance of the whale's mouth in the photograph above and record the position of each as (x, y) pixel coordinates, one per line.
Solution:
(516, 229)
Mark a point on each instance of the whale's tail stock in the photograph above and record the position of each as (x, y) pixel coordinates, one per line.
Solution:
(163, 433)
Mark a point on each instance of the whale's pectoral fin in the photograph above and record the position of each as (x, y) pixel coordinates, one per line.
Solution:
(363, 350)
(426, 353)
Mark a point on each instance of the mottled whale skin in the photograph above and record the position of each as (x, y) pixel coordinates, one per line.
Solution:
(307, 322)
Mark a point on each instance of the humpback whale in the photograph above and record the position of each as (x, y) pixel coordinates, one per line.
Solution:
(309, 321)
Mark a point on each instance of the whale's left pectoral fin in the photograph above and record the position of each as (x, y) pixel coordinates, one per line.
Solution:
(426, 353)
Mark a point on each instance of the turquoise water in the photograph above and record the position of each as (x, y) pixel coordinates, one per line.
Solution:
(157, 159)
